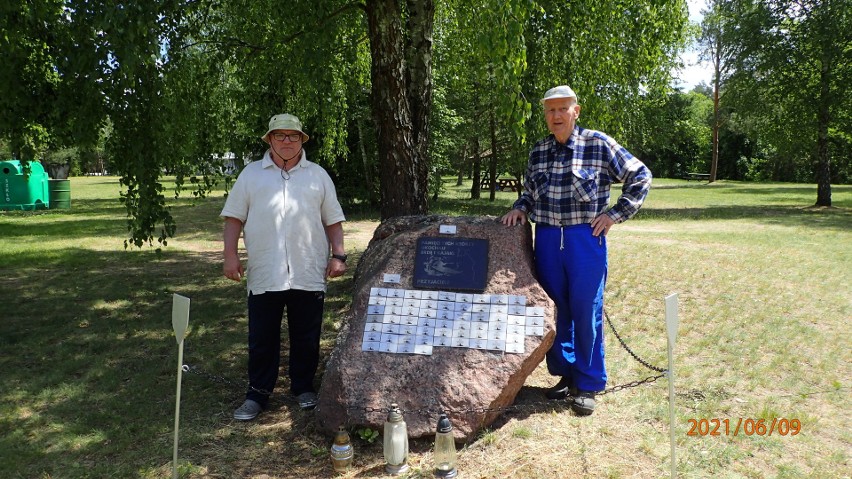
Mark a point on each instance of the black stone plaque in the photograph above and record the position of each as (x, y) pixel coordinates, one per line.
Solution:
(451, 263)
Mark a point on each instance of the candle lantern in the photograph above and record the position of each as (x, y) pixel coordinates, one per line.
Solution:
(341, 451)
(445, 449)
(395, 442)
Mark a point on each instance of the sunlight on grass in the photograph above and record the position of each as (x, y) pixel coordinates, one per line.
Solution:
(72, 443)
(763, 280)
(111, 305)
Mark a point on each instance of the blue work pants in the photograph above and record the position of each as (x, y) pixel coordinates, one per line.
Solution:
(572, 268)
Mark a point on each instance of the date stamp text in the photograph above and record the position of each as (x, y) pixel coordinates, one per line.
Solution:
(744, 426)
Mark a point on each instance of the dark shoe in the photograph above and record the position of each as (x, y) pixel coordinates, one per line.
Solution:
(248, 411)
(564, 388)
(584, 403)
(307, 400)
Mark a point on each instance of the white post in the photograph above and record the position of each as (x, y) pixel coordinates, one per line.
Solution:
(180, 321)
(671, 326)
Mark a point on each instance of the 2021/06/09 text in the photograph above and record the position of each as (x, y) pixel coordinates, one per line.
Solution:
(744, 426)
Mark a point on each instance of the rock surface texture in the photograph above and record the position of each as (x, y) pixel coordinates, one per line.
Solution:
(358, 387)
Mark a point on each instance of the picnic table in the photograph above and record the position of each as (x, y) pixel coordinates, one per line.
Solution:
(503, 184)
(508, 184)
(697, 176)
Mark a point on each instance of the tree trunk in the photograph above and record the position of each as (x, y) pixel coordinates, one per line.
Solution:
(475, 188)
(492, 164)
(420, 22)
(403, 177)
(717, 78)
(368, 178)
(462, 166)
(823, 171)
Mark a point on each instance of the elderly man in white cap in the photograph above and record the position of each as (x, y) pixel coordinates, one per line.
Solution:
(287, 209)
(566, 194)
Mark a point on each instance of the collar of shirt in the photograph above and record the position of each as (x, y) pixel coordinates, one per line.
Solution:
(267, 161)
(556, 146)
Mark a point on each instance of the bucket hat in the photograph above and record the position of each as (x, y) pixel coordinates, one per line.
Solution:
(561, 91)
(285, 121)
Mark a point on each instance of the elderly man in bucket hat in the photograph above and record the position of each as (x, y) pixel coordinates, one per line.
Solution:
(566, 194)
(287, 209)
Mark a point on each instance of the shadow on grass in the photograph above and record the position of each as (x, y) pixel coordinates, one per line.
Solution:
(89, 358)
(690, 185)
(89, 367)
(98, 217)
(839, 219)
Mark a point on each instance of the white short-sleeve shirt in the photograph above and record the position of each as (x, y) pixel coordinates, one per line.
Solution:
(284, 223)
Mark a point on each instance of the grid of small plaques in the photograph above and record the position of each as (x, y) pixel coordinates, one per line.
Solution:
(416, 321)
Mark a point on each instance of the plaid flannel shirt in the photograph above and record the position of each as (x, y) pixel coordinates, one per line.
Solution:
(569, 184)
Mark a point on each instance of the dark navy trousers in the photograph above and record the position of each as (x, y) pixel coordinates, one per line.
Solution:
(572, 268)
(304, 325)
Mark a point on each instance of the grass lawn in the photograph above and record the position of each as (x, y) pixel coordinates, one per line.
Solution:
(88, 358)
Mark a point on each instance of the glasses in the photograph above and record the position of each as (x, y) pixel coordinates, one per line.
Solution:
(290, 136)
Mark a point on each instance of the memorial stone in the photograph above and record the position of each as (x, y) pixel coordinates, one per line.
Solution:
(462, 346)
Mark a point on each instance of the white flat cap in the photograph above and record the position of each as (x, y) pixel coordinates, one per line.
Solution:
(561, 91)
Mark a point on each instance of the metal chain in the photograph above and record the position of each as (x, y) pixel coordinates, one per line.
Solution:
(633, 384)
(221, 379)
(635, 356)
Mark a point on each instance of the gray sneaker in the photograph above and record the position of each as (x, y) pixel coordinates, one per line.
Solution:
(307, 400)
(248, 411)
(584, 403)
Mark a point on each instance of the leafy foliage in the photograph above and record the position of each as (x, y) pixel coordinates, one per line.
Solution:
(790, 82)
(676, 139)
(176, 86)
(368, 434)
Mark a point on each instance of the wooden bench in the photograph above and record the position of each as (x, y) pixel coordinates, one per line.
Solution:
(697, 176)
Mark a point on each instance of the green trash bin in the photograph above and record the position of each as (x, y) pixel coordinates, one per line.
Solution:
(19, 192)
(60, 194)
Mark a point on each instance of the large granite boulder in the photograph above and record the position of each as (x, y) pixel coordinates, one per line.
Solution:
(471, 384)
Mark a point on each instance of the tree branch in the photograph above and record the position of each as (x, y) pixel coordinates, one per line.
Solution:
(239, 43)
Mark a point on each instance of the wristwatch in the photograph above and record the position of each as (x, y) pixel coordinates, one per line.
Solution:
(341, 257)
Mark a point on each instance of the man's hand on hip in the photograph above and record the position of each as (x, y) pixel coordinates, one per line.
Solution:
(602, 224)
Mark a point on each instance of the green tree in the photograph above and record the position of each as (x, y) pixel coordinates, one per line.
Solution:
(676, 135)
(792, 70)
(182, 82)
(716, 47)
(612, 53)
(481, 70)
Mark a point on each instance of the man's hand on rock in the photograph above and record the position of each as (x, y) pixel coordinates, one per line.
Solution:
(514, 217)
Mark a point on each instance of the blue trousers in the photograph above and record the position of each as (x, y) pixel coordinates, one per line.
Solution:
(304, 325)
(572, 268)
